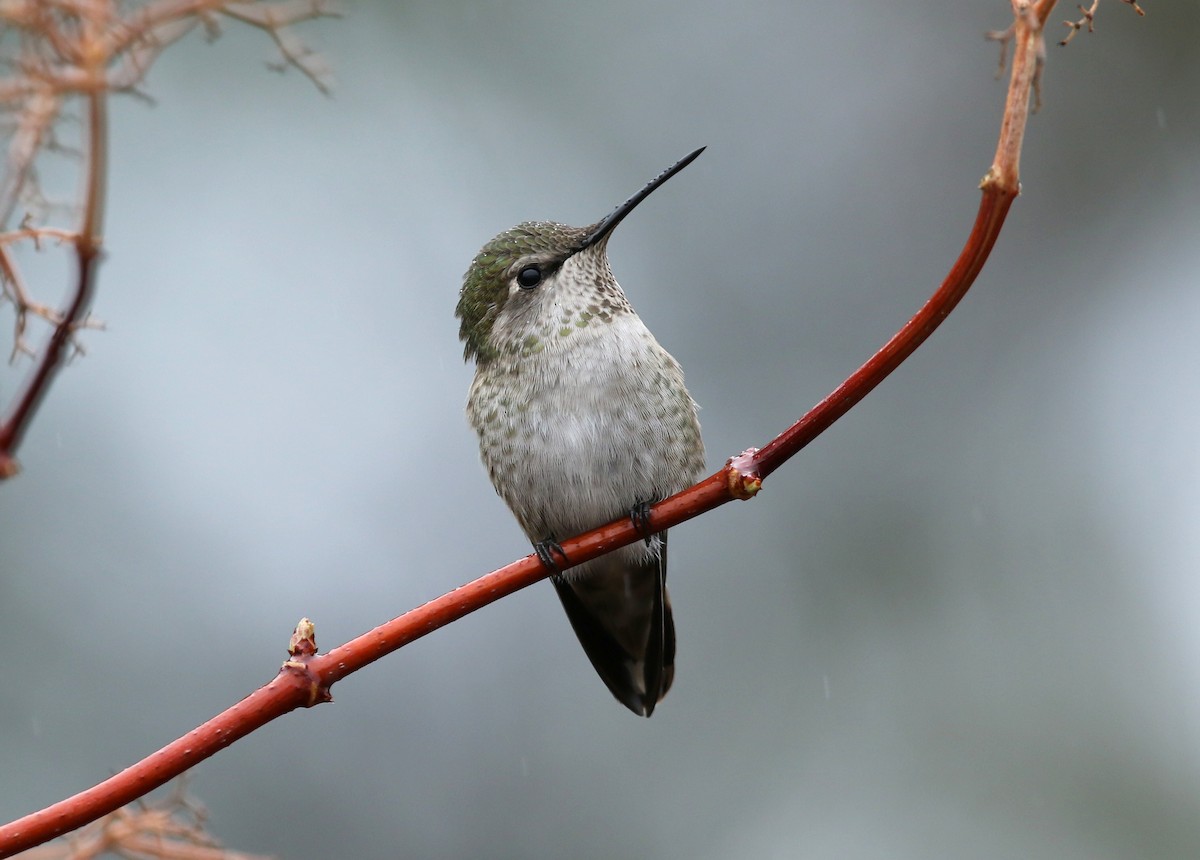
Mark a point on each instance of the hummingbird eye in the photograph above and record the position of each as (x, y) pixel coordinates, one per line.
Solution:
(529, 277)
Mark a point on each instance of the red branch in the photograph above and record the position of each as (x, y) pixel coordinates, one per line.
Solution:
(306, 679)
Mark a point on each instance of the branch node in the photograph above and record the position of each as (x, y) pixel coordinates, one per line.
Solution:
(304, 639)
(303, 646)
(741, 475)
(1088, 20)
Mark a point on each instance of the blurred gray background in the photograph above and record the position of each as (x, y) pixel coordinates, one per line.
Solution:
(962, 624)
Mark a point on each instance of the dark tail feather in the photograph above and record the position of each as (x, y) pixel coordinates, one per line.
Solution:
(622, 616)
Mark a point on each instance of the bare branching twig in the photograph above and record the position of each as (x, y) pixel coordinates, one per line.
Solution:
(1088, 19)
(65, 52)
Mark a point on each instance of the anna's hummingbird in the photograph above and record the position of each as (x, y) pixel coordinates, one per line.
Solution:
(582, 419)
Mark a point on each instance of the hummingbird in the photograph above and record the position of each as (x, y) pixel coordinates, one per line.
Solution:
(583, 418)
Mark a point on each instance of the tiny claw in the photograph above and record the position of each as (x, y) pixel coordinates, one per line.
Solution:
(639, 515)
(545, 552)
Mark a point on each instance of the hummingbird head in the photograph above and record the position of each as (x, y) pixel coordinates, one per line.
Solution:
(542, 281)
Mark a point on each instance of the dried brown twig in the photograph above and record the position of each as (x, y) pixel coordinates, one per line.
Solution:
(170, 829)
(65, 52)
(1089, 19)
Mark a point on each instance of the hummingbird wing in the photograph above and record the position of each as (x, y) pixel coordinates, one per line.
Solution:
(621, 612)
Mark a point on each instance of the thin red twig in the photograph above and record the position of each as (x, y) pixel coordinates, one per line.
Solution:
(1000, 187)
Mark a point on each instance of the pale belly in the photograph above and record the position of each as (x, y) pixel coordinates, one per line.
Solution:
(572, 442)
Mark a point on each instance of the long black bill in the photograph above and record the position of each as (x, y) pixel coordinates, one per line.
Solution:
(604, 227)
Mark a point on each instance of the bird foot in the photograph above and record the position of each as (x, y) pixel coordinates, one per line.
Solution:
(545, 551)
(639, 515)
